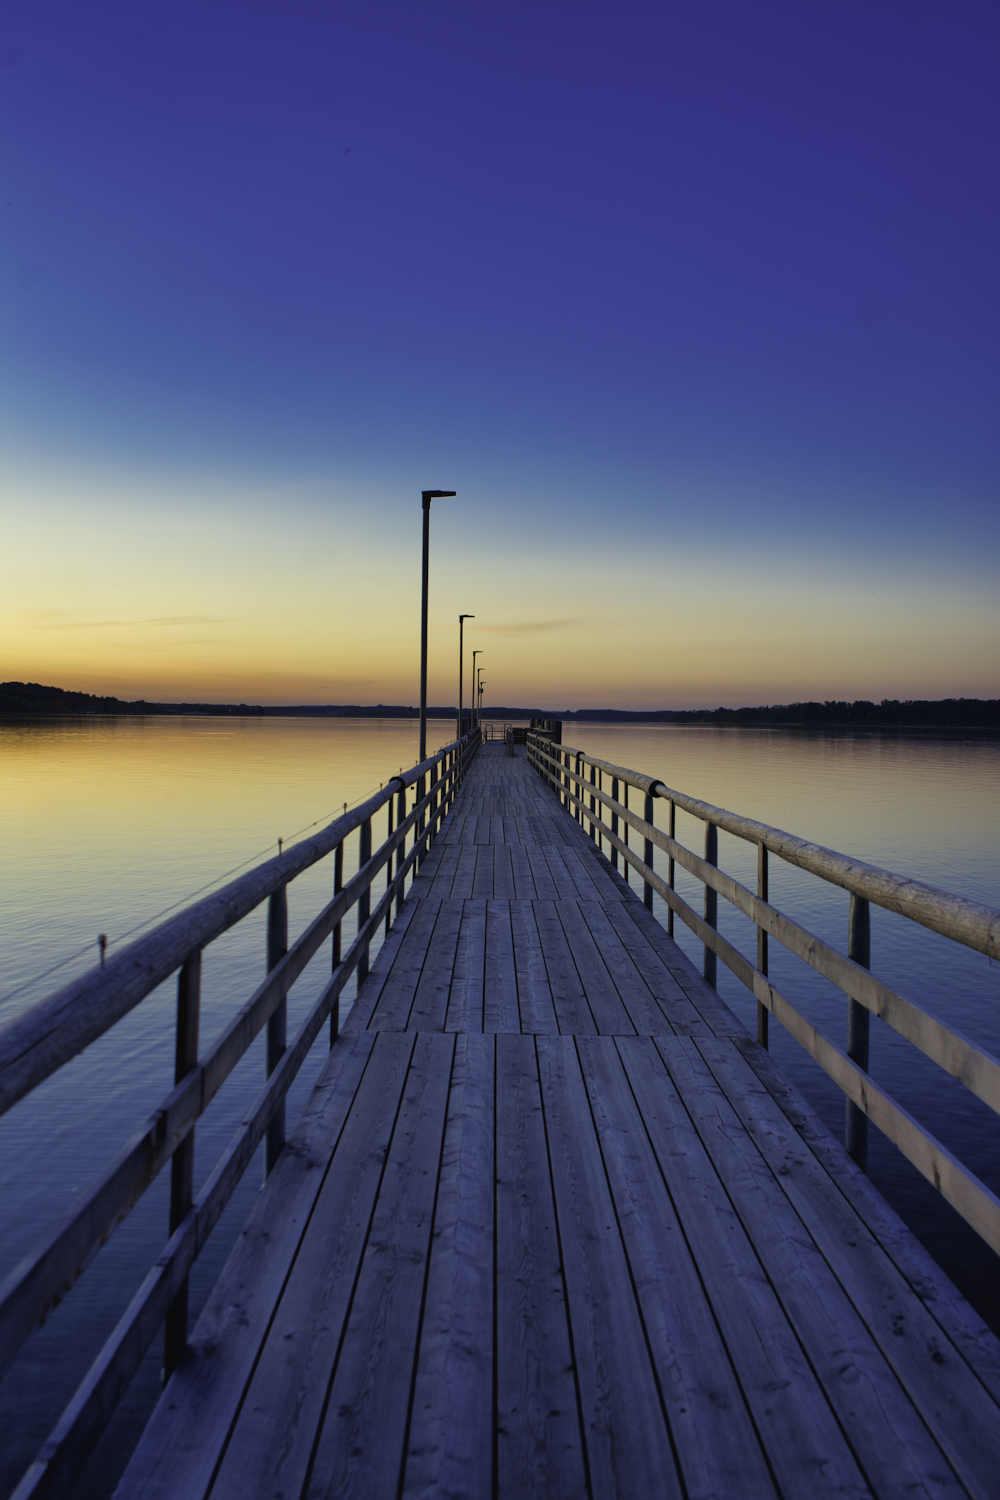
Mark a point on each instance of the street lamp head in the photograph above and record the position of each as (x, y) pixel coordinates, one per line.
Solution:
(466, 617)
(429, 495)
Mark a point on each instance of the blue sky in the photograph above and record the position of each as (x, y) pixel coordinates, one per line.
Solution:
(695, 305)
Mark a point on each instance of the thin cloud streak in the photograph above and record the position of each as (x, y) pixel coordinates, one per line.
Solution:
(531, 627)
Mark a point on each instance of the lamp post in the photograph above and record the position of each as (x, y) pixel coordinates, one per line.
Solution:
(479, 686)
(479, 651)
(428, 496)
(461, 626)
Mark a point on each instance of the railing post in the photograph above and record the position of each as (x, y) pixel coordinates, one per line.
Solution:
(421, 821)
(711, 899)
(338, 886)
(365, 899)
(578, 811)
(614, 822)
(593, 807)
(859, 948)
(564, 757)
(182, 1163)
(277, 1026)
(388, 868)
(672, 831)
(400, 848)
(625, 862)
(647, 854)
(763, 1014)
(432, 819)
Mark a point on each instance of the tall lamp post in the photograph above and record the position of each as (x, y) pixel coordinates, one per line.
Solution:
(479, 651)
(461, 626)
(480, 685)
(428, 496)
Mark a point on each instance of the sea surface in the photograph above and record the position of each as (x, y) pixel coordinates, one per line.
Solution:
(109, 824)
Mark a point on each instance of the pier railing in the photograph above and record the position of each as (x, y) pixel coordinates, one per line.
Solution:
(578, 780)
(36, 1044)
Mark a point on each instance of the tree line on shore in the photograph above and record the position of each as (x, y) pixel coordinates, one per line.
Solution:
(33, 700)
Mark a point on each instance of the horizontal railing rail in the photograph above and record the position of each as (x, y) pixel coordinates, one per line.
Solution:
(566, 770)
(35, 1045)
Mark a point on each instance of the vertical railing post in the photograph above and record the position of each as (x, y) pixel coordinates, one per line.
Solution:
(421, 821)
(388, 868)
(365, 899)
(182, 1164)
(711, 899)
(564, 757)
(647, 854)
(579, 789)
(614, 822)
(400, 848)
(593, 806)
(277, 1026)
(859, 948)
(625, 829)
(338, 886)
(672, 831)
(763, 1014)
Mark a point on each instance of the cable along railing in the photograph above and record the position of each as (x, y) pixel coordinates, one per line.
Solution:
(37, 1043)
(578, 781)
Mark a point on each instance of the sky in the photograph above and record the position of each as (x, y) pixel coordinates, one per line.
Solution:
(695, 305)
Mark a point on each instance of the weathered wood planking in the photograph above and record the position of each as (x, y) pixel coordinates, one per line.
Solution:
(554, 1225)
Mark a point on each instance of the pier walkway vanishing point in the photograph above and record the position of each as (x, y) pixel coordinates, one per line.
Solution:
(552, 1225)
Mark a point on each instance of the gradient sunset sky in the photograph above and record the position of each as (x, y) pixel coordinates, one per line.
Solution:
(697, 306)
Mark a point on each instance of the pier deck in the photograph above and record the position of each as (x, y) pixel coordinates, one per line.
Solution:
(552, 1224)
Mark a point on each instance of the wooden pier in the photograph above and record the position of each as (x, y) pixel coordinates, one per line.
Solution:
(553, 1225)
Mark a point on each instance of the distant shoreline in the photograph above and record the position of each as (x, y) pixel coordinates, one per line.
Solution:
(19, 700)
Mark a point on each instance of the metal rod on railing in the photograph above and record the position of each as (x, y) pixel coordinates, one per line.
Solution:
(858, 1021)
(647, 855)
(277, 1026)
(614, 823)
(763, 1014)
(182, 1164)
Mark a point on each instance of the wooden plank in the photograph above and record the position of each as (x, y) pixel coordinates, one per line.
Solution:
(524, 880)
(450, 1447)
(539, 1445)
(610, 1015)
(568, 996)
(562, 878)
(628, 1442)
(503, 873)
(542, 876)
(961, 1324)
(465, 1005)
(806, 1448)
(681, 1015)
(500, 1010)
(441, 876)
(360, 1013)
(393, 1009)
(465, 874)
(645, 1015)
(886, 1432)
(187, 1432)
(482, 885)
(534, 993)
(717, 1447)
(962, 1416)
(482, 834)
(511, 834)
(430, 1001)
(718, 1017)
(361, 1444)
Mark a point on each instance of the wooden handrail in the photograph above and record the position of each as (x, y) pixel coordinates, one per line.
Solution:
(974, 1067)
(964, 921)
(44, 1276)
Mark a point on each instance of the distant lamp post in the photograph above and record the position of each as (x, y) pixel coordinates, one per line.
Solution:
(428, 496)
(479, 651)
(480, 685)
(461, 626)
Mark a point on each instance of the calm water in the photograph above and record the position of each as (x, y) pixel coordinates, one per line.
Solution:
(107, 822)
